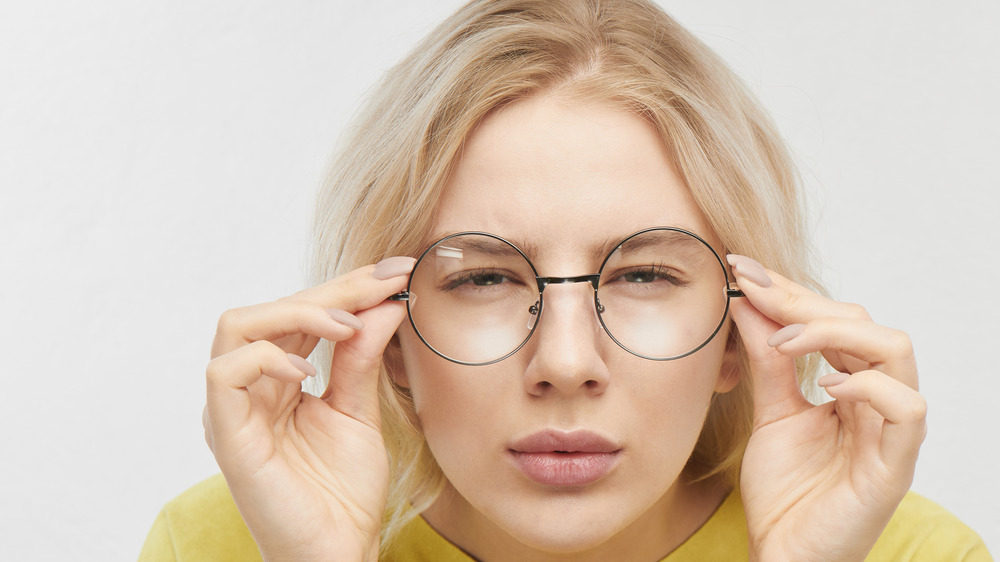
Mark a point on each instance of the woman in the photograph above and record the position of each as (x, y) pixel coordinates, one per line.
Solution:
(549, 358)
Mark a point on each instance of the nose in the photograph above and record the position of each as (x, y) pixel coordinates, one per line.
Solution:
(566, 348)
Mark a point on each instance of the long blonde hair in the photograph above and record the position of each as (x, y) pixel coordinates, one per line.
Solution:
(380, 196)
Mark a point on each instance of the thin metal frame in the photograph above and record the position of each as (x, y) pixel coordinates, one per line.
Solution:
(593, 279)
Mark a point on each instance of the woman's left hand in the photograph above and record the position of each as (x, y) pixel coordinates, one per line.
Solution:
(821, 482)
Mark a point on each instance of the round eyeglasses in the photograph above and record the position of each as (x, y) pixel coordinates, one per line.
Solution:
(474, 298)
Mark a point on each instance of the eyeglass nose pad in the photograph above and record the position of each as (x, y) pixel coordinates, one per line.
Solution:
(533, 319)
(600, 307)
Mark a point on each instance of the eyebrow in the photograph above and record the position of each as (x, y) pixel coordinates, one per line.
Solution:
(485, 244)
(502, 246)
(678, 240)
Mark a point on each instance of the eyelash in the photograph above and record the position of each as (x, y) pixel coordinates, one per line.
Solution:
(468, 277)
(656, 271)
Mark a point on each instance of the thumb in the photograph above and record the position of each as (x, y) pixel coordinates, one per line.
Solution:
(353, 386)
(776, 393)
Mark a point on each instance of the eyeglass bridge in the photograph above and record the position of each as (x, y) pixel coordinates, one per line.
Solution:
(594, 280)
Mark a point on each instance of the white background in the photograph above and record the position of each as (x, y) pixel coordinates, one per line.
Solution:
(158, 162)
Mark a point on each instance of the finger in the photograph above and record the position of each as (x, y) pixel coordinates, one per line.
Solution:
(903, 408)
(784, 301)
(303, 312)
(274, 320)
(878, 347)
(353, 386)
(776, 391)
(229, 376)
(362, 288)
(206, 422)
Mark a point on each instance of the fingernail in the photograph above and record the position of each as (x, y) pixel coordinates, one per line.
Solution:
(749, 269)
(833, 379)
(785, 334)
(302, 365)
(393, 267)
(345, 318)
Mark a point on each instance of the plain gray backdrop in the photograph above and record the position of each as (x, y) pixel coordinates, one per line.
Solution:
(158, 164)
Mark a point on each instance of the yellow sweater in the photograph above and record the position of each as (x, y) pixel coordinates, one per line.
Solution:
(204, 524)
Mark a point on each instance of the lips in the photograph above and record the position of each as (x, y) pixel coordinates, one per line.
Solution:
(564, 459)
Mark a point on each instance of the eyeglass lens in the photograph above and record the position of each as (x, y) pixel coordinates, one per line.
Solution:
(661, 295)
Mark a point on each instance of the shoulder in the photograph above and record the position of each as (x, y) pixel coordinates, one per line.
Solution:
(923, 530)
(200, 524)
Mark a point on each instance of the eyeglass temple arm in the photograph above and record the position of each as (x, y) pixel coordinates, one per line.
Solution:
(400, 296)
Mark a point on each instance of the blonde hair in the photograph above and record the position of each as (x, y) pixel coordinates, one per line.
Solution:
(379, 198)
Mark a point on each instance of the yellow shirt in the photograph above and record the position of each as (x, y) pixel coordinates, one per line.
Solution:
(204, 524)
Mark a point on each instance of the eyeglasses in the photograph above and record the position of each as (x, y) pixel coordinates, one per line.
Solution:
(475, 299)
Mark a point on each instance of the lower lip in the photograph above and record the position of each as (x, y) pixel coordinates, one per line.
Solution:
(564, 469)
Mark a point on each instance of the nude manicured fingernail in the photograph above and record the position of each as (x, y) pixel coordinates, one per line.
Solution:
(302, 365)
(393, 267)
(345, 318)
(785, 334)
(833, 379)
(750, 269)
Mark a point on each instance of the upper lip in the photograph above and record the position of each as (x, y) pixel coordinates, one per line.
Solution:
(554, 440)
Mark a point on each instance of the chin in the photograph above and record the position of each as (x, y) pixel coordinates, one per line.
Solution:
(566, 536)
(571, 523)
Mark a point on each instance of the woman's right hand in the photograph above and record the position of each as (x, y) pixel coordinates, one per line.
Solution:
(309, 475)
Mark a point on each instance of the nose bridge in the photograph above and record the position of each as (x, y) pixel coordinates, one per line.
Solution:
(566, 292)
(562, 304)
(566, 357)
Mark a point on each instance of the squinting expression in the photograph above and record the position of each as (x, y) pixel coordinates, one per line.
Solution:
(571, 444)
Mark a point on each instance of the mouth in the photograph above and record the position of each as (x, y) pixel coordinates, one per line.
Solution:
(564, 459)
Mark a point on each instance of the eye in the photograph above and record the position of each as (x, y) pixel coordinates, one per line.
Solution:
(644, 276)
(648, 274)
(487, 278)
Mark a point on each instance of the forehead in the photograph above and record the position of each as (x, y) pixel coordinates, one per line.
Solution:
(554, 174)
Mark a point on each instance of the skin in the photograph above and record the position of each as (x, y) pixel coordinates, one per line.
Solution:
(310, 474)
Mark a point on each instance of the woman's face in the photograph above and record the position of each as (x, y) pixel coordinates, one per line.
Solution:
(561, 180)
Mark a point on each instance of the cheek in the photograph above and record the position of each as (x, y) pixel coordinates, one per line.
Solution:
(668, 402)
(447, 397)
(672, 399)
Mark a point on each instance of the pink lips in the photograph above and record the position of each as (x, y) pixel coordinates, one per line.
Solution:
(558, 458)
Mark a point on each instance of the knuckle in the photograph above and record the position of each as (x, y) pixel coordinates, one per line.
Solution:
(900, 344)
(791, 301)
(263, 349)
(230, 321)
(214, 371)
(917, 407)
(352, 284)
(856, 311)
